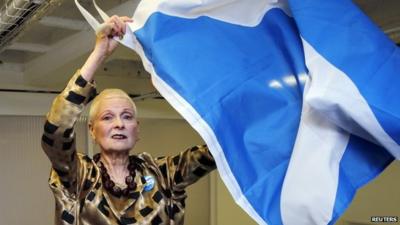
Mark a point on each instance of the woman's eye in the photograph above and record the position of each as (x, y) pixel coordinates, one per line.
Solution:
(127, 116)
(106, 118)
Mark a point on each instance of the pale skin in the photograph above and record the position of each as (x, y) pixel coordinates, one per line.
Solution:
(114, 126)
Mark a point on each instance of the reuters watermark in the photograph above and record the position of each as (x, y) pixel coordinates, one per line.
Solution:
(384, 219)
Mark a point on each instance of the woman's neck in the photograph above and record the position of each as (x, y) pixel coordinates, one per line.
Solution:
(116, 164)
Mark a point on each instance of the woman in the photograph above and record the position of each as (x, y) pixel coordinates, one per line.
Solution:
(113, 187)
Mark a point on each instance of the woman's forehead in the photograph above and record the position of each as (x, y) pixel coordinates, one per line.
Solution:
(114, 102)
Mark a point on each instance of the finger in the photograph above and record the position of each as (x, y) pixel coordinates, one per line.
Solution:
(126, 19)
(121, 25)
(117, 28)
(111, 21)
(122, 18)
(114, 21)
(119, 22)
(124, 28)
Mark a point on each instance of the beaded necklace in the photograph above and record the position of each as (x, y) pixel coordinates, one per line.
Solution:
(135, 163)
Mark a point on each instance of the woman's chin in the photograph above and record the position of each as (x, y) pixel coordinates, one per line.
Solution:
(119, 148)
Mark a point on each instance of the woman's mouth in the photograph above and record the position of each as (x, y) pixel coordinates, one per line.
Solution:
(118, 136)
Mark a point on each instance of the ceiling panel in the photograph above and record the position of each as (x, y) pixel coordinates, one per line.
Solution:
(69, 10)
(17, 56)
(45, 35)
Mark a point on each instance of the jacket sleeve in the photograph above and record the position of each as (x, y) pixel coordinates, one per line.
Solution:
(58, 140)
(187, 167)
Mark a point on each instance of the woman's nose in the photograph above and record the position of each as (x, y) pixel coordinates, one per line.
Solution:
(119, 123)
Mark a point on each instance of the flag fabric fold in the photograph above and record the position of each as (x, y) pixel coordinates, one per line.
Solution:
(294, 98)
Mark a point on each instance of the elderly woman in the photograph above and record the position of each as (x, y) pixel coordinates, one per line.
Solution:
(113, 187)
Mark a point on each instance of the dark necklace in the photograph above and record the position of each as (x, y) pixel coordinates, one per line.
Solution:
(109, 185)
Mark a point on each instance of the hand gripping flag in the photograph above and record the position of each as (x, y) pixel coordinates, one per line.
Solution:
(297, 100)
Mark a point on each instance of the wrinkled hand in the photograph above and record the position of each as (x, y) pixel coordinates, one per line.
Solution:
(115, 26)
(105, 44)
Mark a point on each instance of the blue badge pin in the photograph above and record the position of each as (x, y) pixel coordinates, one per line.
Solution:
(149, 185)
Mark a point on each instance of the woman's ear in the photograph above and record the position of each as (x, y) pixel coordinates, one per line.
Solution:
(91, 131)
(137, 131)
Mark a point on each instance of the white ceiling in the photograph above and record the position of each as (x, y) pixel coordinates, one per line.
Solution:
(47, 51)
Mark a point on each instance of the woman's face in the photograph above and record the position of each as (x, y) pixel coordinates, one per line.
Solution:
(114, 126)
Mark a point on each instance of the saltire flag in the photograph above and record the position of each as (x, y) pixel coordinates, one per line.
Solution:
(297, 100)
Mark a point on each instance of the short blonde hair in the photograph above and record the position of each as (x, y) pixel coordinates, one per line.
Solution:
(106, 93)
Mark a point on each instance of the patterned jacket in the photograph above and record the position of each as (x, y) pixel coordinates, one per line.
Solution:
(76, 182)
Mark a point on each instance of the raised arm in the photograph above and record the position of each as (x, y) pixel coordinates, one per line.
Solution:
(58, 140)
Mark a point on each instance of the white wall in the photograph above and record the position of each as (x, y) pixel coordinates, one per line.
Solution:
(381, 197)
(24, 171)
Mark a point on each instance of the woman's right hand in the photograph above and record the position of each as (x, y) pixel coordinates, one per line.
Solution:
(115, 26)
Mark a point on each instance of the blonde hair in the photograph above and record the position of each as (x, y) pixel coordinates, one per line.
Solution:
(106, 93)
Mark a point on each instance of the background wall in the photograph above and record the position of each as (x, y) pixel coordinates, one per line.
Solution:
(24, 170)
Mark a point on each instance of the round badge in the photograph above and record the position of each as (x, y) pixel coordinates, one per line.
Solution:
(149, 185)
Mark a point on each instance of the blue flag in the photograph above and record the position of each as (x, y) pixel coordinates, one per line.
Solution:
(297, 100)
